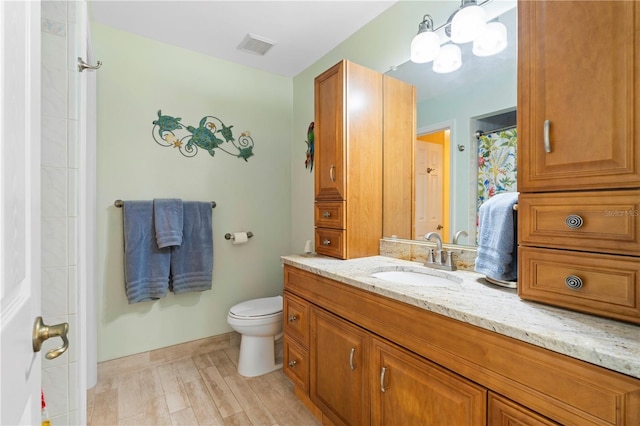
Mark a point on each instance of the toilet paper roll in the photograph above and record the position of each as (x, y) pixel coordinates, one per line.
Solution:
(240, 237)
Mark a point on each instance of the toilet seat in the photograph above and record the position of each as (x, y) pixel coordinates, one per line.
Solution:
(257, 308)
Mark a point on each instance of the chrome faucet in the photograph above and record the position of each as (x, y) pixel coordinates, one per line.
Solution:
(440, 259)
(460, 233)
(437, 237)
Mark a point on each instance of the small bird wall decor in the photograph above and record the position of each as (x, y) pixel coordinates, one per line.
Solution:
(166, 131)
(308, 162)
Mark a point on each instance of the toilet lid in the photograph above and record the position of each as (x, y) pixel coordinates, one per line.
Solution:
(258, 307)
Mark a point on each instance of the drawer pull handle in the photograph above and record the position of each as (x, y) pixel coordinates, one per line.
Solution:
(332, 173)
(326, 242)
(353, 351)
(326, 215)
(547, 141)
(292, 363)
(574, 221)
(382, 373)
(573, 282)
(293, 318)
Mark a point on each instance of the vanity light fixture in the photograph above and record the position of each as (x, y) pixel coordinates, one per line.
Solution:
(465, 25)
(425, 46)
(492, 41)
(468, 22)
(449, 60)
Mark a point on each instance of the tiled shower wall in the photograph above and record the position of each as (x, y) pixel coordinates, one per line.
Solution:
(59, 168)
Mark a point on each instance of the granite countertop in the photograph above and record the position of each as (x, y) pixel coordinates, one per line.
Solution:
(467, 297)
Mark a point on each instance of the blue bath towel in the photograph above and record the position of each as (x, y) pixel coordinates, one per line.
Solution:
(192, 261)
(497, 248)
(167, 214)
(146, 266)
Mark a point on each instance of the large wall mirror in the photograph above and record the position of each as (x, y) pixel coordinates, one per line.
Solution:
(466, 136)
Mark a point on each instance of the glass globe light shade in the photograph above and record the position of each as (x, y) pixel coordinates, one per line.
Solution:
(492, 41)
(468, 23)
(425, 47)
(450, 59)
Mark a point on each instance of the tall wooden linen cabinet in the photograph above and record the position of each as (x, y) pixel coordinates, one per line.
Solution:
(350, 113)
(579, 156)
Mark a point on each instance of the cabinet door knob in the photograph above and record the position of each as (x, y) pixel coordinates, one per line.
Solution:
(353, 351)
(292, 363)
(573, 282)
(293, 318)
(332, 173)
(547, 141)
(573, 221)
(326, 242)
(382, 373)
(326, 214)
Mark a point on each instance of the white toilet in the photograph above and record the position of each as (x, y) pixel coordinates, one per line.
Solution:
(259, 321)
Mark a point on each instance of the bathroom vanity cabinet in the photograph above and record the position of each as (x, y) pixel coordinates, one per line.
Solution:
(351, 105)
(356, 357)
(579, 156)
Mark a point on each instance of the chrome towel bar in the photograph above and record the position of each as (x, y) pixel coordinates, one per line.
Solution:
(120, 203)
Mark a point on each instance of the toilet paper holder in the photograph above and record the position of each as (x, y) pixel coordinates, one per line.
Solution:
(229, 236)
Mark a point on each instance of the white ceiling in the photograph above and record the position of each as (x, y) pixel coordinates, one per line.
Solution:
(304, 31)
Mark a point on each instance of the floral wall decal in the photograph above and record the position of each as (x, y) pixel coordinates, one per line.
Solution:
(211, 134)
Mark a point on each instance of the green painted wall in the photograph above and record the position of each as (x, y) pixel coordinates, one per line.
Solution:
(139, 77)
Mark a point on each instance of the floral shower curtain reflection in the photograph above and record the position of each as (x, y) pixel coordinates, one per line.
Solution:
(496, 164)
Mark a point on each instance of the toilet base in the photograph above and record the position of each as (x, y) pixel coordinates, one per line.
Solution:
(257, 356)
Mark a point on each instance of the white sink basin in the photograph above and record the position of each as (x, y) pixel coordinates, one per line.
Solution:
(412, 277)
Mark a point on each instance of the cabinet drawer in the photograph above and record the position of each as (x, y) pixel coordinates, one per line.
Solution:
(296, 363)
(330, 214)
(330, 242)
(594, 221)
(296, 318)
(505, 412)
(600, 284)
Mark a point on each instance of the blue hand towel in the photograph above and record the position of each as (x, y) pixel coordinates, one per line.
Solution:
(497, 249)
(192, 261)
(167, 214)
(146, 266)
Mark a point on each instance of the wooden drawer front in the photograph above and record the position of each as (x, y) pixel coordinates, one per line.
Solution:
(604, 222)
(296, 318)
(330, 214)
(505, 412)
(296, 363)
(610, 285)
(330, 242)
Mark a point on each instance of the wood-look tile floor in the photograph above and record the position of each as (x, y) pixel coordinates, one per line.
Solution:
(204, 389)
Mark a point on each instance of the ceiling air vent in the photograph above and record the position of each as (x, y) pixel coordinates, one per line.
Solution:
(256, 44)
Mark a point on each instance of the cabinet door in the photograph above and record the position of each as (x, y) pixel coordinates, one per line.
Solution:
(339, 354)
(329, 134)
(407, 390)
(579, 72)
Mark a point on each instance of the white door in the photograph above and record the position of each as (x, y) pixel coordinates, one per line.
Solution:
(421, 186)
(429, 188)
(19, 210)
(434, 189)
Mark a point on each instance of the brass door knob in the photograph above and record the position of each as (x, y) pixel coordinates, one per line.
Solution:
(42, 332)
